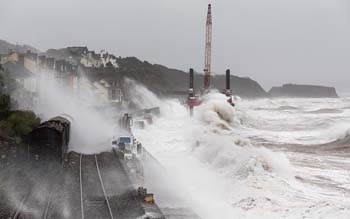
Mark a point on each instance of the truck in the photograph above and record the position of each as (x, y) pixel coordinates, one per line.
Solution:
(125, 146)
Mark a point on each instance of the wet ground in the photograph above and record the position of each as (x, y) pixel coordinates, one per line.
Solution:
(86, 186)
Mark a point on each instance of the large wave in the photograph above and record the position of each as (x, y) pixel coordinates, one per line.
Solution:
(209, 143)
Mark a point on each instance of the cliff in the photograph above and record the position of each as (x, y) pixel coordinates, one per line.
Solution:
(163, 80)
(307, 91)
(244, 87)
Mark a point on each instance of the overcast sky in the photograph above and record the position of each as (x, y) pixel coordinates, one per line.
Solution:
(271, 41)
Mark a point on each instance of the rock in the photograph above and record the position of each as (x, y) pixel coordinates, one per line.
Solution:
(307, 91)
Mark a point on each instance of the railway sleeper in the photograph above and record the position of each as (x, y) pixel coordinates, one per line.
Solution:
(95, 202)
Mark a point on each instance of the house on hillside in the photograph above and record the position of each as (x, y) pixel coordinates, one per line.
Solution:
(108, 92)
(108, 59)
(11, 56)
(30, 61)
(101, 91)
(41, 62)
(116, 92)
(22, 75)
(50, 63)
(26, 94)
(78, 50)
(91, 59)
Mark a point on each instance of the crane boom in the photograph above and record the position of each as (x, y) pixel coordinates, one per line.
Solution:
(207, 61)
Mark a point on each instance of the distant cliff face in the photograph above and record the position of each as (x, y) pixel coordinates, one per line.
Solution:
(244, 87)
(163, 80)
(308, 91)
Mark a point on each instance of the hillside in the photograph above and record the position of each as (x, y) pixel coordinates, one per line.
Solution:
(244, 87)
(158, 78)
(69, 53)
(163, 80)
(6, 46)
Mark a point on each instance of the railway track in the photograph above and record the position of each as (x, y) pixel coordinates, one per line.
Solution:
(47, 207)
(20, 207)
(19, 211)
(81, 188)
(94, 203)
(30, 205)
(103, 188)
(93, 186)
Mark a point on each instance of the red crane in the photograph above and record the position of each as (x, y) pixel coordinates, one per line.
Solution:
(207, 58)
(192, 99)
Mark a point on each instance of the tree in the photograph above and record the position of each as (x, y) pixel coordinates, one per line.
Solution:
(109, 65)
(2, 78)
(19, 123)
(5, 105)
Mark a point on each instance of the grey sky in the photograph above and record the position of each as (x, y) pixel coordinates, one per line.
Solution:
(271, 41)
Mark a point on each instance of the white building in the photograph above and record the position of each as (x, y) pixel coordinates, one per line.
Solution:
(108, 58)
(108, 93)
(91, 59)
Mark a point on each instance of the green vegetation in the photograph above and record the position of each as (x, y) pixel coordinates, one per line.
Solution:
(5, 105)
(19, 123)
(5, 99)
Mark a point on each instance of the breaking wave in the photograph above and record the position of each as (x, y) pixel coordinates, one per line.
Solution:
(211, 140)
(218, 158)
(224, 149)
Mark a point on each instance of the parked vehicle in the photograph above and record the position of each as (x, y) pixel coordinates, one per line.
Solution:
(125, 146)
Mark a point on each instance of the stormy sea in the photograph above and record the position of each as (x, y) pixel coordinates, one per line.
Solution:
(264, 158)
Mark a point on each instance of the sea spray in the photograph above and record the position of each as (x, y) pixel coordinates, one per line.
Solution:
(206, 155)
(139, 96)
(92, 127)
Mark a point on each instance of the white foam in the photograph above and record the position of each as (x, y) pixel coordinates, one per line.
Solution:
(221, 171)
